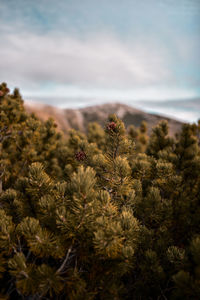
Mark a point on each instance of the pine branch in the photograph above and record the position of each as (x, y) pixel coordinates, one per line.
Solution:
(65, 260)
(116, 148)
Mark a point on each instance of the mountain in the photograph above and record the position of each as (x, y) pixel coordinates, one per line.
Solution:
(80, 118)
(187, 110)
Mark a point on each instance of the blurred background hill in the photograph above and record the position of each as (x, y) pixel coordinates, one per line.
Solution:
(80, 118)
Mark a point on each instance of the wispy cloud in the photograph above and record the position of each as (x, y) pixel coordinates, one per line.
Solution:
(92, 46)
(96, 62)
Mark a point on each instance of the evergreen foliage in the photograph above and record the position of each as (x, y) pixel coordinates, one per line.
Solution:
(113, 214)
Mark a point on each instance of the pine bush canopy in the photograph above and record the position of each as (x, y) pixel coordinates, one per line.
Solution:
(111, 214)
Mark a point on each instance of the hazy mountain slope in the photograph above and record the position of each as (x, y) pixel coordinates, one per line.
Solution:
(182, 109)
(44, 112)
(129, 115)
(79, 118)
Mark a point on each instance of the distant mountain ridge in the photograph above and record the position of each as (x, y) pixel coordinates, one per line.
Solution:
(187, 110)
(81, 117)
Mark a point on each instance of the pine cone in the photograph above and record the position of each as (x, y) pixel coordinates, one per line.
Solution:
(111, 126)
(80, 155)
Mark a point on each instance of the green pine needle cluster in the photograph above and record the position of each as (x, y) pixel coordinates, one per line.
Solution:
(111, 214)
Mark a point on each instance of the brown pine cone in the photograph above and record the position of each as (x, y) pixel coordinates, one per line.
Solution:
(80, 155)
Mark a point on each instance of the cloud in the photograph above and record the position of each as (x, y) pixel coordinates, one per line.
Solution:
(102, 61)
(90, 46)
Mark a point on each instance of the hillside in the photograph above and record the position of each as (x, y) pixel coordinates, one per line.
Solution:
(79, 118)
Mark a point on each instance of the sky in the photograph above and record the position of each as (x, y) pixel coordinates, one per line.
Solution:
(108, 50)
